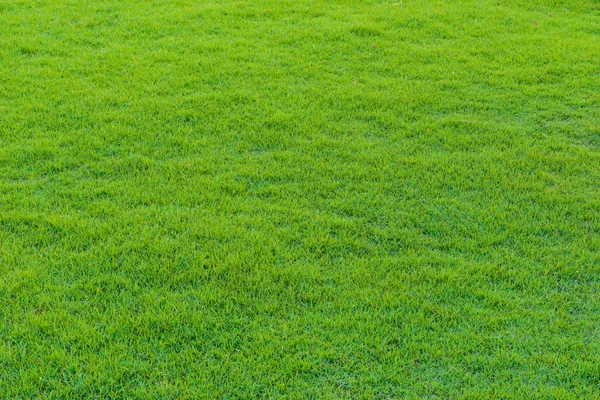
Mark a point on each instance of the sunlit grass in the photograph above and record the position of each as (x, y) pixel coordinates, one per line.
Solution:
(302, 199)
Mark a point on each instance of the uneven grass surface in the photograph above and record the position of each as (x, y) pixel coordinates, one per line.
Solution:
(300, 199)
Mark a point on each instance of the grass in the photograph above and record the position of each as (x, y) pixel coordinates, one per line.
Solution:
(300, 199)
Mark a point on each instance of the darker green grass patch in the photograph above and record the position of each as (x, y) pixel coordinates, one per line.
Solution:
(365, 31)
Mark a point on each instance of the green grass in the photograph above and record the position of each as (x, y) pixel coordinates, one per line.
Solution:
(300, 199)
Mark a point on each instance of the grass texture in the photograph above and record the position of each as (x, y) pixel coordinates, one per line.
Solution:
(300, 199)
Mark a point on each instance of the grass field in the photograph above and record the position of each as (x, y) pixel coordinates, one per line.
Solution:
(300, 199)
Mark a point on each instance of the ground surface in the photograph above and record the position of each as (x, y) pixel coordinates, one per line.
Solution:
(299, 199)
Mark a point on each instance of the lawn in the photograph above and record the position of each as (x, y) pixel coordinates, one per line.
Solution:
(300, 199)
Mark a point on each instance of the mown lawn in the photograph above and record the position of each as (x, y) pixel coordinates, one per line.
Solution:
(300, 199)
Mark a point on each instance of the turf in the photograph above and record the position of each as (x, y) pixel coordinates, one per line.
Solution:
(299, 199)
